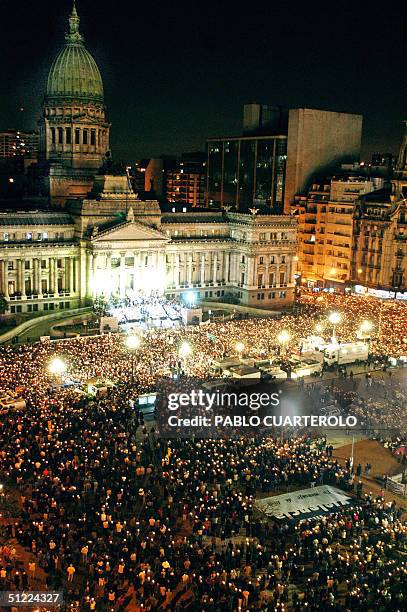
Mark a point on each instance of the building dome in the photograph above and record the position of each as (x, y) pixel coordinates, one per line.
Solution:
(74, 74)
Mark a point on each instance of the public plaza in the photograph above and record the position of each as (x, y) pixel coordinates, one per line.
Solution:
(96, 504)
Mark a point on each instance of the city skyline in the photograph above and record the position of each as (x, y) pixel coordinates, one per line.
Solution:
(183, 78)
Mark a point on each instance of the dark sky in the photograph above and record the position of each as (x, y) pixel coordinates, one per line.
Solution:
(177, 72)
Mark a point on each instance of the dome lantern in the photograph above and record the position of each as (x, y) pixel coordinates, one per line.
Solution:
(74, 74)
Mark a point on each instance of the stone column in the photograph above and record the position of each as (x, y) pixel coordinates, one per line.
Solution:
(202, 279)
(4, 277)
(71, 273)
(55, 285)
(176, 269)
(89, 274)
(34, 285)
(122, 275)
(250, 280)
(215, 268)
(51, 263)
(18, 277)
(39, 279)
(21, 277)
(189, 276)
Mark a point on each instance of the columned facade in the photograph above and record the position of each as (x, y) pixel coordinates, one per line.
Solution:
(53, 261)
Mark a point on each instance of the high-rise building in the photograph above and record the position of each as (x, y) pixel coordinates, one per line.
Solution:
(318, 141)
(187, 181)
(246, 171)
(278, 155)
(16, 143)
(325, 229)
(74, 132)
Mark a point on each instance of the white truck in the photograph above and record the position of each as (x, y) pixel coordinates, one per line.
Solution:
(306, 367)
(342, 354)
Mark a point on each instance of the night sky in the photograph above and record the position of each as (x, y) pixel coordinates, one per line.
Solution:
(177, 72)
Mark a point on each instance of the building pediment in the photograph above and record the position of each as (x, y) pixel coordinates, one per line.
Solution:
(128, 232)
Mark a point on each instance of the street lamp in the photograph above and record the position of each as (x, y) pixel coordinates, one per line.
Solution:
(57, 367)
(334, 318)
(133, 342)
(240, 348)
(283, 338)
(184, 349)
(365, 328)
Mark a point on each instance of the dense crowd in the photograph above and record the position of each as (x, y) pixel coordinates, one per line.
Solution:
(116, 516)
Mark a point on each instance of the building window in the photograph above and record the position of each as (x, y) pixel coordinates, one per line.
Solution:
(77, 136)
(85, 137)
(272, 259)
(282, 259)
(53, 139)
(10, 265)
(93, 137)
(68, 135)
(27, 265)
(261, 260)
(29, 236)
(43, 264)
(5, 236)
(60, 136)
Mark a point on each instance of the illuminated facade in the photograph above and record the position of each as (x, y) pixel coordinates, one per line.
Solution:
(185, 186)
(380, 243)
(115, 244)
(74, 133)
(326, 228)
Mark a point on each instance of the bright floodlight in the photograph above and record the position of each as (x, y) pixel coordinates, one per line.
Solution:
(133, 342)
(185, 349)
(240, 347)
(57, 366)
(334, 318)
(283, 337)
(191, 298)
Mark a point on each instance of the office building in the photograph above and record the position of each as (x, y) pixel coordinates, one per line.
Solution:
(278, 155)
(16, 143)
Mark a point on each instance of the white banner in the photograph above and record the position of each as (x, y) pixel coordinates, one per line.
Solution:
(305, 502)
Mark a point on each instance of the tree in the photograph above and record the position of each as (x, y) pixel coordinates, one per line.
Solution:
(3, 304)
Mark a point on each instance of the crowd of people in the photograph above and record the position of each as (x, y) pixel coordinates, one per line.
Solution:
(118, 518)
(152, 310)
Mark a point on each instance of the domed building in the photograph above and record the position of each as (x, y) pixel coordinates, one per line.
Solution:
(74, 133)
